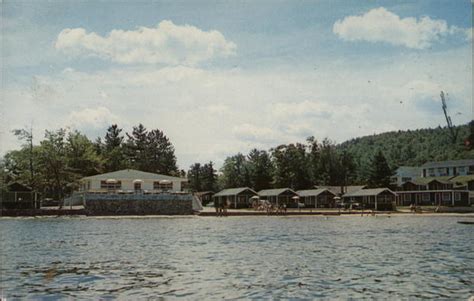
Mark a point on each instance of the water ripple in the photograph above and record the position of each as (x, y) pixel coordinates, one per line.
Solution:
(237, 258)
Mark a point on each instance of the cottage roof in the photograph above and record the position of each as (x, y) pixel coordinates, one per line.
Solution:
(368, 192)
(467, 162)
(132, 174)
(462, 179)
(234, 191)
(427, 180)
(17, 186)
(275, 192)
(313, 192)
(337, 189)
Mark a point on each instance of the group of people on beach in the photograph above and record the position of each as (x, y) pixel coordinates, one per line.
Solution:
(221, 207)
(264, 205)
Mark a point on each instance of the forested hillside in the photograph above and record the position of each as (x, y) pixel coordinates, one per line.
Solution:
(409, 148)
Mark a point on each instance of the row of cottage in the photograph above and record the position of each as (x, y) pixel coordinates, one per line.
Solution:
(320, 197)
(426, 191)
(448, 183)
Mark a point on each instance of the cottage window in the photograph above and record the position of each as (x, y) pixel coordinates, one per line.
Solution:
(426, 197)
(137, 186)
(110, 186)
(457, 196)
(162, 186)
(446, 196)
(462, 169)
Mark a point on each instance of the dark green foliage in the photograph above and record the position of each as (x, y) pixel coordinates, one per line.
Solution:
(469, 141)
(194, 177)
(150, 151)
(160, 154)
(202, 177)
(407, 148)
(235, 172)
(260, 169)
(136, 148)
(291, 168)
(379, 172)
(208, 177)
(27, 136)
(113, 149)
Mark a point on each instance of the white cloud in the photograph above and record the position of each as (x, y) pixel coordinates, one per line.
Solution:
(94, 118)
(166, 43)
(210, 114)
(381, 25)
(253, 133)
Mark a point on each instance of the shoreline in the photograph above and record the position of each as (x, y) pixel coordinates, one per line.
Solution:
(241, 213)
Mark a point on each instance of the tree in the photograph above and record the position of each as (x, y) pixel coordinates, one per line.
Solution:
(346, 169)
(235, 172)
(113, 149)
(16, 164)
(314, 158)
(27, 136)
(209, 177)
(81, 155)
(137, 148)
(380, 172)
(161, 157)
(150, 151)
(194, 177)
(54, 169)
(260, 169)
(469, 142)
(291, 166)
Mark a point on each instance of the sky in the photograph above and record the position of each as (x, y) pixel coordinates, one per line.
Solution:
(222, 77)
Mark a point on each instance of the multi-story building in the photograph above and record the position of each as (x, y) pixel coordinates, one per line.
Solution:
(405, 174)
(448, 168)
(439, 191)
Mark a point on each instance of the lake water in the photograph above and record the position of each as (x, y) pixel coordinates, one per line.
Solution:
(402, 257)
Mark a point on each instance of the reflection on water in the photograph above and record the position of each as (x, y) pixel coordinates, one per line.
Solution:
(245, 257)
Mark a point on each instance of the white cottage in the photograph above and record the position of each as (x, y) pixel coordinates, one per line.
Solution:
(131, 180)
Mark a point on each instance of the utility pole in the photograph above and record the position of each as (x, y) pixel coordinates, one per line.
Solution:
(452, 130)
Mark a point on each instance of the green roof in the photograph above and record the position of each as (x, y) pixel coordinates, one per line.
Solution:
(368, 192)
(132, 174)
(313, 192)
(462, 179)
(427, 180)
(234, 191)
(277, 191)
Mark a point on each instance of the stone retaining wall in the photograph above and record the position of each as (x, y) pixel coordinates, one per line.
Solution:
(153, 204)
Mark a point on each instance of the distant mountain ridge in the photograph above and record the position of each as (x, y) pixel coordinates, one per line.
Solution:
(409, 148)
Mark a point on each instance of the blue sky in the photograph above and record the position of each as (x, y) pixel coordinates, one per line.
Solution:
(221, 77)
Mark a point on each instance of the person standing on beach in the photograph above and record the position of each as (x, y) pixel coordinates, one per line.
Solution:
(216, 206)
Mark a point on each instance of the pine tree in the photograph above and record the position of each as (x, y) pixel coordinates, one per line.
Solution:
(136, 148)
(380, 172)
(194, 177)
(260, 169)
(209, 177)
(113, 149)
(160, 154)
